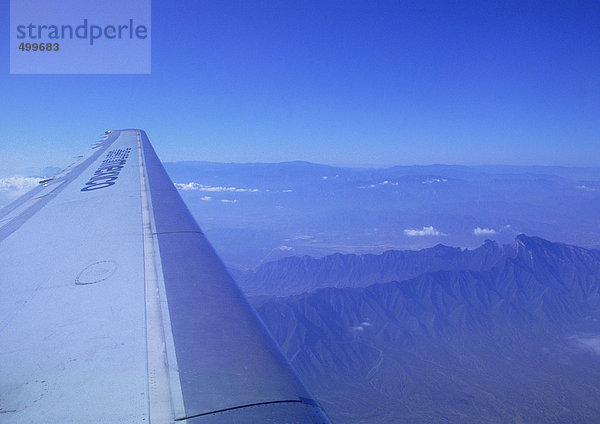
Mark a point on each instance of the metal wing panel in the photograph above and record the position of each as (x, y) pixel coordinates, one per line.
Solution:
(72, 328)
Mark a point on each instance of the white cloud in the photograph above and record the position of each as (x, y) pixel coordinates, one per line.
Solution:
(18, 183)
(590, 343)
(285, 248)
(362, 326)
(229, 201)
(484, 231)
(192, 186)
(383, 183)
(478, 231)
(586, 188)
(435, 180)
(206, 198)
(425, 231)
(186, 187)
(325, 177)
(287, 191)
(14, 187)
(302, 237)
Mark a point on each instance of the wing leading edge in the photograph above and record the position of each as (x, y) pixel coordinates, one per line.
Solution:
(115, 307)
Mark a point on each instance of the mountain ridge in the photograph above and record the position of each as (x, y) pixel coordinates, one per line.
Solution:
(294, 275)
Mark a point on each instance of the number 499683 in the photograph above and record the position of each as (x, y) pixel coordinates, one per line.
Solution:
(38, 47)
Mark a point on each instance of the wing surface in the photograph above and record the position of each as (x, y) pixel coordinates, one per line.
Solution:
(115, 307)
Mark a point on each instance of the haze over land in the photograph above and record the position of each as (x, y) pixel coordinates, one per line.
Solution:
(257, 212)
(254, 213)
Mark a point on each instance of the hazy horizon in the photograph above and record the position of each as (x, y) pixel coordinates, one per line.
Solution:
(38, 171)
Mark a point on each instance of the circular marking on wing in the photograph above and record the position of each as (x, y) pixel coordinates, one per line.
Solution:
(15, 398)
(96, 272)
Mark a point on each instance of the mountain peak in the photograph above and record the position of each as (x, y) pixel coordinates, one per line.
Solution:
(525, 243)
(525, 239)
(490, 243)
(443, 248)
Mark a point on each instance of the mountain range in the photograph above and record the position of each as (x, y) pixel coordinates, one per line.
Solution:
(491, 335)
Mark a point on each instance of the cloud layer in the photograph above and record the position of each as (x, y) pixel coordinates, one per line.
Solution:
(13, 187)
(425, 231)
(18, 183)
(435, 180)
(192, 186)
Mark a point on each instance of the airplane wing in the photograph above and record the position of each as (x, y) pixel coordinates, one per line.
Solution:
(114, 307)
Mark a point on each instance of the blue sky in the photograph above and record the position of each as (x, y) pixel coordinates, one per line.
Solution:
(381, 83)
